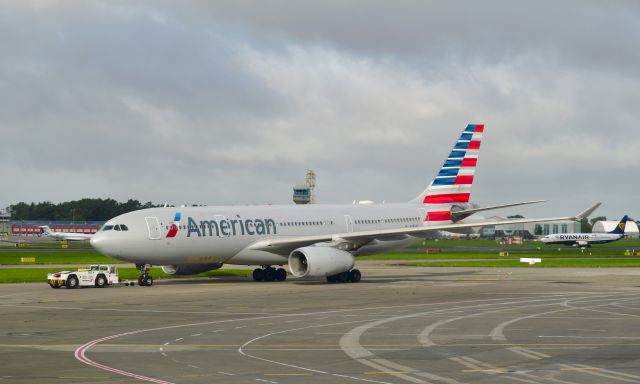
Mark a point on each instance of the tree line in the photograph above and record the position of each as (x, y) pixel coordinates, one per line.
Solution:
(77, 210)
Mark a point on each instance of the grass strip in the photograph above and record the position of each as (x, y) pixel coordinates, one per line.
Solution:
(579, 263)
(34, 275)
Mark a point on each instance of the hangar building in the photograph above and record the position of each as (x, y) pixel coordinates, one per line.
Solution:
(631, 230)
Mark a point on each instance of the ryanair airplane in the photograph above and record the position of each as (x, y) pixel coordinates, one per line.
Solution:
(586, 239)
(313, 240)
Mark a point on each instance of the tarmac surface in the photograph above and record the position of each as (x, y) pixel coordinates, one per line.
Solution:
(398, 325)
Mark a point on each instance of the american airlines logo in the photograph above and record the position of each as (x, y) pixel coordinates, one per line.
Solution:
(230, 227)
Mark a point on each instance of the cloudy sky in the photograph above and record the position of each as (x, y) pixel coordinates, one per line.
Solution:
(229, 102)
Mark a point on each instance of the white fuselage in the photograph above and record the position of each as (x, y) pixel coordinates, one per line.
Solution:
(581, 239)
(207, 235)
(68, 236)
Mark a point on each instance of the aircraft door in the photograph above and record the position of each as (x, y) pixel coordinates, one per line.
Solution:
(349, 223)
(154, 228)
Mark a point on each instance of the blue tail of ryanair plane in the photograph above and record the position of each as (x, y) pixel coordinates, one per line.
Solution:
(619, 229)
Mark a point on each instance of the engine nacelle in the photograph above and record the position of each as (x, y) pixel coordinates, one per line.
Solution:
(189, 269)
(319, 261)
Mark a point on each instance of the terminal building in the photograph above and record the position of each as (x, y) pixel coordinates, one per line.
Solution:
(32, 228)
(529, 231)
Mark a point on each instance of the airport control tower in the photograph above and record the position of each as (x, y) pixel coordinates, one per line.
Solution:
(303, 193)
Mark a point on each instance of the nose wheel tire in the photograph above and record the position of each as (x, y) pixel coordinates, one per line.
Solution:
(145, 281)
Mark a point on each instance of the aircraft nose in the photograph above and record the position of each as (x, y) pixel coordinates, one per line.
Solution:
(99, 242)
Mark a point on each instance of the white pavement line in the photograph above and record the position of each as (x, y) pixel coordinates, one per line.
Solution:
(226, 373)
(193, 366)
(350, 342)
(399, 374)
(196, 335)
(243, 353)
(267, 381)
(610, 371)
(242, 326)
(179, 338)
(498, 334)
(80, 352)
(398, 367)
(425, 340)
(493, 370)
(529, 354)
(591, 371)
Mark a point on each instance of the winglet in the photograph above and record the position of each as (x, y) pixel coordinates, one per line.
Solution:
(587, 212)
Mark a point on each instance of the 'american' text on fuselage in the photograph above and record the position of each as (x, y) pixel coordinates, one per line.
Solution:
(231, 227)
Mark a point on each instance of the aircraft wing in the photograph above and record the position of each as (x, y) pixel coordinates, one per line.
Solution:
(285, 245)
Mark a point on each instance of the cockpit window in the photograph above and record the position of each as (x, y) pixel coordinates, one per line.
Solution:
(116, 228)
(124, 227)
(107, 227)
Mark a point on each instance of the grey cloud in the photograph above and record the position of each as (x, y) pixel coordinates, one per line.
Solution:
(230, 102)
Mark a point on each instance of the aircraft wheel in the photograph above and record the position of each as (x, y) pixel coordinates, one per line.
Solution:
(149, 281)
(101, 281)
(269, 274)
(355, 276)
(72, 282)
(258, 274)
(343, 277)
(142, 281)
(281, 274)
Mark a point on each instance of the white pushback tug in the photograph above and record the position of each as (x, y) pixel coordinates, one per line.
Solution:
(98, 276)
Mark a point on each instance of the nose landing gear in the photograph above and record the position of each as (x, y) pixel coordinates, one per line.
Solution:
(144, 279)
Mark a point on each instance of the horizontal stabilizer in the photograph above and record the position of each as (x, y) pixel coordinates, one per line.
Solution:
(459, 215)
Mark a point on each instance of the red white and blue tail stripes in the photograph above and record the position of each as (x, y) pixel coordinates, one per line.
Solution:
(453, 183)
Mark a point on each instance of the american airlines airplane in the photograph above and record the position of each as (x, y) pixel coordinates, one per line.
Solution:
(314, 240)
(69, 236)
(586, 239)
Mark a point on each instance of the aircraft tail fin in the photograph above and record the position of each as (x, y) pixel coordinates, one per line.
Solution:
(452, 184)
(619, 229)
(45, 229)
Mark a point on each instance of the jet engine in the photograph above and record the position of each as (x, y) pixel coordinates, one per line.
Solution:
(319, 261)
(189, 269)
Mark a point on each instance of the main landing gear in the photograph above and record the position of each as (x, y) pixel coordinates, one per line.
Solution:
(353, 276)
(144, 279)
(269, 273)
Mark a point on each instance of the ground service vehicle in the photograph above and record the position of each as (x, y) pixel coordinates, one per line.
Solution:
(98, 276)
